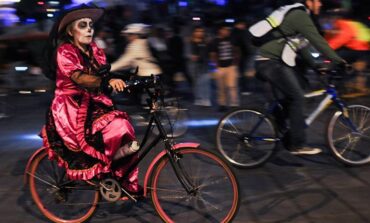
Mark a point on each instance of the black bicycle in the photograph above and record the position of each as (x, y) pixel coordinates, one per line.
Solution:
(185, 182)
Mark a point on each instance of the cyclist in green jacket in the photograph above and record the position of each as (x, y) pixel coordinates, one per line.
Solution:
(289, 33)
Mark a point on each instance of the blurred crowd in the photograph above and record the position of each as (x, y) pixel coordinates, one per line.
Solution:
(212, 55)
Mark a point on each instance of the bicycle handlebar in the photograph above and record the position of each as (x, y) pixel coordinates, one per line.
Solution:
(343, 69)
(133, 81)
(145, 82)
(328, 75)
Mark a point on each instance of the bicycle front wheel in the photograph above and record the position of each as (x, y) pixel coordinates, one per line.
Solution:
(246, 138)
(215, 197)
(349, 138)
(60, 199)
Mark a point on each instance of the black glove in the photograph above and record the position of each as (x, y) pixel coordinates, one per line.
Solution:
(345, 68)
(104, 70)
(104, 84)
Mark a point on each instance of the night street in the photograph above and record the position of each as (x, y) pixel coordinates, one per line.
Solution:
(287, 189)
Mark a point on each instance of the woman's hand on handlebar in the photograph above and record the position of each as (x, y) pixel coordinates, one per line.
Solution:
(117, 85)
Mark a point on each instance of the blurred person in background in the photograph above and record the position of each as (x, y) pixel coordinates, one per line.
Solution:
(137, 54)
(242, 41)
(275, 62)
(224, 54)
(83, 130)
(104, 41)
(159, 50)
(199, 67)
(350, 38)
(176, 50)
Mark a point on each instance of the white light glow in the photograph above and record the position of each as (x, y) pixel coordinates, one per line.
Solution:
(230, 20)
(7, 2)
(40, 90)
(53, 2)
(315, 55)
(52, 10)
(24, 92)
(30, 137)
(21, 68)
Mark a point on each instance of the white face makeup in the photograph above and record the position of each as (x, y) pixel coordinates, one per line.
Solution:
(82, 31)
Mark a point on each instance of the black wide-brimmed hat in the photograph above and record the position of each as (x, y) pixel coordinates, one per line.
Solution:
(79, 12)
(56, 33)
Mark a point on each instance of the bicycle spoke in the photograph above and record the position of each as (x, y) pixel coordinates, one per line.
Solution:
(72, 202)
(234, 127)
(348, 136)
(214, 182)
(230, 132)
(349, 146)
(209, 204)
(363, 136)
(165, 189)
(364, 119)
(43, 181)
(204, 203)
(344, 124)
(256, 139)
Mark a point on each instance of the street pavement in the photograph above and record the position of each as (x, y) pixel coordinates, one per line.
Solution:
(315, 189)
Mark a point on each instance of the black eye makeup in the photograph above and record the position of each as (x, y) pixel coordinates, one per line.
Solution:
(85, 24)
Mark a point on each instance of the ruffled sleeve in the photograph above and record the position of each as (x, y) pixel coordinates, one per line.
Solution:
(68, 60)
(98, 54)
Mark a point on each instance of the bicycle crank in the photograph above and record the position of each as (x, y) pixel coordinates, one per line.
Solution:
(110, 190)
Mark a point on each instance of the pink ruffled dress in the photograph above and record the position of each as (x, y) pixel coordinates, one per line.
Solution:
(83, 130)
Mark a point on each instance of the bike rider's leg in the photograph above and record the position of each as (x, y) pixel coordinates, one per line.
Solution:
(117, 133)
(221, 88)
(232, 91)
(284, 78)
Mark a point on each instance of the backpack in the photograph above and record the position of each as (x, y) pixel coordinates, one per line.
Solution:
(261, 32)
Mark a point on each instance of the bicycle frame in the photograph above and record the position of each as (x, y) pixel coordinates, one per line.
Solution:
(145, 147)
(331, 97)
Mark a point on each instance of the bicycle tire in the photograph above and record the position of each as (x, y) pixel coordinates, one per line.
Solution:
(240, 149)
(217, 196)
(45, 180)
(349, 147)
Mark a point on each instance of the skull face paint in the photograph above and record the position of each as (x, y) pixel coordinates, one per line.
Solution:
(82, 31)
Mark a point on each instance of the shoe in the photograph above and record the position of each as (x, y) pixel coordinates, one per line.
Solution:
(305, 150)
(127, 149)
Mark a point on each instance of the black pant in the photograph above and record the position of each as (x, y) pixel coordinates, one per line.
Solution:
(285, 80)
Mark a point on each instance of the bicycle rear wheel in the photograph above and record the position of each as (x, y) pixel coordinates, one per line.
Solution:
(246, 138)
(349, 146)
(60, 199)
(216, 195)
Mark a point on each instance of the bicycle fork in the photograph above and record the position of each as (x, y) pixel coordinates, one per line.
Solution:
(180, 173)
(174, 159)
(345, 115)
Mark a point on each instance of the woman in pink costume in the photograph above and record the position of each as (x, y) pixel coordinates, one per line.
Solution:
(83, 130)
